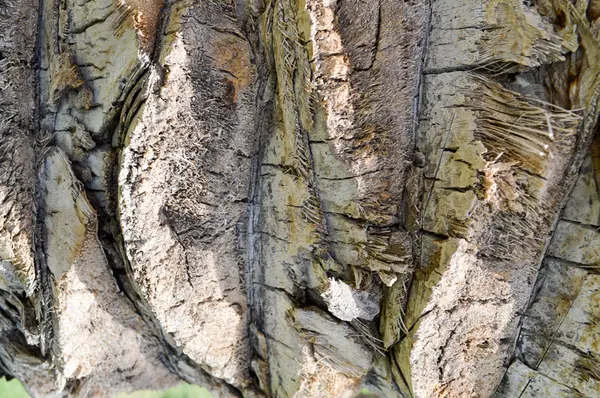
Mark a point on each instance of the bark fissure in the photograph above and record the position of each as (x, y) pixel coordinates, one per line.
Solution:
(300, 197)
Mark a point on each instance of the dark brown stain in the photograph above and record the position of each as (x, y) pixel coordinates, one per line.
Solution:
(593, 11)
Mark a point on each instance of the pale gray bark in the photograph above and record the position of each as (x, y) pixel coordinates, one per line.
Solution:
(300, 198)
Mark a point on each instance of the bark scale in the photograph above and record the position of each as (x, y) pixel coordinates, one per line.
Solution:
(300, 197)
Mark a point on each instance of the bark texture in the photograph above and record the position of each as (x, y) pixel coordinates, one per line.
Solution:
(309, 198)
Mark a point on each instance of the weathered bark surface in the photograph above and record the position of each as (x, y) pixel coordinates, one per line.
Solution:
(301, 197)
(20, 342)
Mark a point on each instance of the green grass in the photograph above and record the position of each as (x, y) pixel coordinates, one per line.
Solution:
(181, 391)
(14, 389)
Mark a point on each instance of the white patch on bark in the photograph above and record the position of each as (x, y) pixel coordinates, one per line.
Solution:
(346, 303)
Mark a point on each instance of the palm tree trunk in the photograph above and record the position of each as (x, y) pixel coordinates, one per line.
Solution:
(300, 198)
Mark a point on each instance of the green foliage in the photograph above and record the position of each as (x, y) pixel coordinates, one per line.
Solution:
(12, 389)
(182, 391)
(365, 393)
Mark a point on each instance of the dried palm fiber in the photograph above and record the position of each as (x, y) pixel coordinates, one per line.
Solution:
(523, 130)
(392, 326)
(312, 212)
(318, 378)
(17, 277)
(513, 236)
(21, 266)
(294, 80)
(516, 38)
(145, 15)
(513, 201)
(295, 98)
(64, 75)
(389, 254)
(367, 334)
(588, 366)
(587, 91)
(43, 291)
(12, 278)
(363, 278)
(522, 136)
(386, 252)
(324, 333)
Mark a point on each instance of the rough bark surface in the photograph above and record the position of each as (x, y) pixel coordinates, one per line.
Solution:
(301, 197)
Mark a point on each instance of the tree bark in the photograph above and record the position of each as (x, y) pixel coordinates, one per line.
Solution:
(301, 197)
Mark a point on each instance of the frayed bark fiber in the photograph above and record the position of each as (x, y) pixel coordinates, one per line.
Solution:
(300, 198)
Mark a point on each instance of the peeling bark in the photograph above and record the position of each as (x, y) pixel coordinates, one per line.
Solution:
(300, 198)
